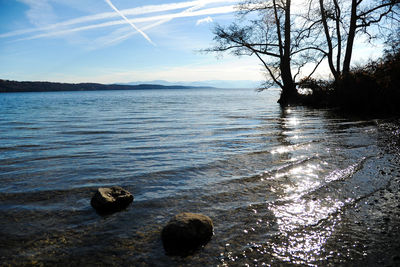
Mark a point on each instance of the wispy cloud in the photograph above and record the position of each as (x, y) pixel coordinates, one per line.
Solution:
(36, 10)
(209, 11)
(205, 20)
(150, 15)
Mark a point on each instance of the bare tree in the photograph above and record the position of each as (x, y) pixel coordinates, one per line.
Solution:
(271, 35)
(286, 41)
(343, 20)
(362, 17)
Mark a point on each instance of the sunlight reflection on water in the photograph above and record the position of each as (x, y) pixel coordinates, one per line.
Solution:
(276, 182)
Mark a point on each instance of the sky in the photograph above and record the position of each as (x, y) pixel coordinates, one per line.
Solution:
(122, 41)
(116, 41)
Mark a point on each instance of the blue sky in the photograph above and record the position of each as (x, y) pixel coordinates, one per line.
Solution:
(121, 41)
(111, 41)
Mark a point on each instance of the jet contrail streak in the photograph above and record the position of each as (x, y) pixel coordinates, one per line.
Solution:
(110, 15)
(193, 8)
(127, 20)
(165, 17)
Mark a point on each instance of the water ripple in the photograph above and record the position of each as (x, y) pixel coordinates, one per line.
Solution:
(283, 186)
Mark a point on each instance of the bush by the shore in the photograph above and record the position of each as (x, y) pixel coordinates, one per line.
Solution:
(373, 88)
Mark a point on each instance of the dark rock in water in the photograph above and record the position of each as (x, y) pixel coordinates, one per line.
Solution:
(110, 199)
(185, 233)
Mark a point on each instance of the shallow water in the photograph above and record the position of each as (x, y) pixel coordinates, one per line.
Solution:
(290, 186)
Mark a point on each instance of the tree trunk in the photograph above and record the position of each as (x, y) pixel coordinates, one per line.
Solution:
(289, 91)
(328, 39)
(339, 37)
(350, 38)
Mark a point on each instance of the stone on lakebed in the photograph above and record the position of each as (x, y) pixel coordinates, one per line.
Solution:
(186, 232)
(111, 199)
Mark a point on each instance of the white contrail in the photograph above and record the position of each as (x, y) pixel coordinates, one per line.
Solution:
(130, 23)
(160, 22)
(60, 26)
(166, 17)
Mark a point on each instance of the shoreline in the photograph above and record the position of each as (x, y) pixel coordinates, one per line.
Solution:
(7, 86)
(373, 88)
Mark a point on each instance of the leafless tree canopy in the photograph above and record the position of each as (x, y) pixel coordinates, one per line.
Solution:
(286, 37)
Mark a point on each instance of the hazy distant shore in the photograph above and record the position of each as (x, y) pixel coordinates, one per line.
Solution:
(7, 86)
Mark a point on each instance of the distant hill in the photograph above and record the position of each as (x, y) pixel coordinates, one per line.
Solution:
(213, 83)
(14, 86)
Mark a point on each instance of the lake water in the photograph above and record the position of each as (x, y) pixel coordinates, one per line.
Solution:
(292, 186)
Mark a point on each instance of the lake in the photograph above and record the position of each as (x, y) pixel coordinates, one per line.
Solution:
(283, 186)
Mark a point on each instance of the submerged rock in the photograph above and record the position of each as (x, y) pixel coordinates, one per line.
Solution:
(110, 199)
(186, 232)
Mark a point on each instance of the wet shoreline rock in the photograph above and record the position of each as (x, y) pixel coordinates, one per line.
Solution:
(186, 232)
(111, 199)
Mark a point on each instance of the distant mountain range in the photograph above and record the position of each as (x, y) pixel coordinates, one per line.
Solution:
(14, 86)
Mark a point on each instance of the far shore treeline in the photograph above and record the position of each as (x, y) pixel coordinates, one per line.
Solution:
(7, 86)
